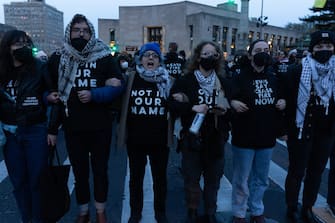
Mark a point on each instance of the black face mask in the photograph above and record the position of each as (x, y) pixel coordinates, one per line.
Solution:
(322, 56)
(24, 54)
(79, 43)
(208, 63)
(261, 59)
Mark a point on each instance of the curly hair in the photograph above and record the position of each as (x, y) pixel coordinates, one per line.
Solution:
(194, 61)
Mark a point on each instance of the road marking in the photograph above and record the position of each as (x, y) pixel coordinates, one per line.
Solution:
(70, 182)
(3, 171)
(148, 197)
(278, 176)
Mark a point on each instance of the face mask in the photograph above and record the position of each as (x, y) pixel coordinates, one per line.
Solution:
(322, 56)
(208, 63)
(124, 65)
(24, 54)
(79, 43)
(261, 59)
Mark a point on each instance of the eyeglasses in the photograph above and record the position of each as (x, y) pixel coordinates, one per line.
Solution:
(208, 54)
(153, 55)
(85, 31)
(21, 44)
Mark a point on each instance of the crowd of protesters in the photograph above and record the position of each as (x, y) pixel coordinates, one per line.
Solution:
(200, 100)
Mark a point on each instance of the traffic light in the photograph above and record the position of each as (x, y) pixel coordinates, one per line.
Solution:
(113, 47)
(34, 50)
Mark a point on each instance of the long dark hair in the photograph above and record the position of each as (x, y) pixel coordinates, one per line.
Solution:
(194, 62)
(6, 59)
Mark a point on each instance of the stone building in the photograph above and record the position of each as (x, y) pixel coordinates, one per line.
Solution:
(42, 22)
(188, 23)
(4, 28)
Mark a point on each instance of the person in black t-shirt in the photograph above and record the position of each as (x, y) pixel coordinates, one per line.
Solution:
(173, 63)
(87, 79)
(144, 113)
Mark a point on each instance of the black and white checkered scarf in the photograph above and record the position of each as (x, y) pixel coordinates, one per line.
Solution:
(206, 83)
(160, 76)
(322, 77)
(71, 58)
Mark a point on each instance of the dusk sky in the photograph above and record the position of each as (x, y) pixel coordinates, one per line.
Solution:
(279, 12)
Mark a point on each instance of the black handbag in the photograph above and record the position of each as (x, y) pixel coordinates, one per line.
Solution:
(55, 195)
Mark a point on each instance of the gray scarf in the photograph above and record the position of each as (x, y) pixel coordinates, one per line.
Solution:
(71, 58)
(322, 76)
(159, 76)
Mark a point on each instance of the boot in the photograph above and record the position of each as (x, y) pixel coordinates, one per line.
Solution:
(210, 218)
(308, 215)
(161, 217)
(293, 215)
(192, 215)
(135, 218)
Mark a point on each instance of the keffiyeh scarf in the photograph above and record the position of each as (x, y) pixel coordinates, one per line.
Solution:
(160, 76)
(71, 58)
(206, 83)
(322, 77)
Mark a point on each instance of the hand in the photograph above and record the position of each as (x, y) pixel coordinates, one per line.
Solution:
(52, 139)
(180, 97)
(239, 106)
(203, 108)
(53, 97)
(114, 82)
(84, 96)
(283, 138)
(218, 111)
(281, 104)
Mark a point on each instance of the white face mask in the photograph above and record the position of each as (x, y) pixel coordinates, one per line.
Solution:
(124, 65)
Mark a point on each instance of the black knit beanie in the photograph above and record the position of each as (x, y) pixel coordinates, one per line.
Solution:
(321, 36)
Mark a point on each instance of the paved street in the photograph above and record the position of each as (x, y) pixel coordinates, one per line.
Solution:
(118, 208)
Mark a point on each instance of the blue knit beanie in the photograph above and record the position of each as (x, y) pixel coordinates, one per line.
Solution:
(150, 46)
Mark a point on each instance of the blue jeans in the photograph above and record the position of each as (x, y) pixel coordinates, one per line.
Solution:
(26, 154)
(253, 165)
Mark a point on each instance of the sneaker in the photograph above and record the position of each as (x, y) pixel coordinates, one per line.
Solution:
(257, 219)
(331, 210)
(239, 220)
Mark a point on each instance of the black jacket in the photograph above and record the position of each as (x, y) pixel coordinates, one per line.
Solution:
(91, 116)
(22, 100)
(315, 118)
(259, 126)
(210, 134)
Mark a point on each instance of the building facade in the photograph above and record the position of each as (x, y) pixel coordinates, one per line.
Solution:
(189, 23)
(4, 28)
(42, 22)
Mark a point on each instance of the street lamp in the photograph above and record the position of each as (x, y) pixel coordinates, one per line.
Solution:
(262, 21)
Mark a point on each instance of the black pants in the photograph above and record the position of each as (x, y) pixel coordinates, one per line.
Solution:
(331, 180)
(83, 148)
(158, 156)
(195, 164)
(310, 156)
